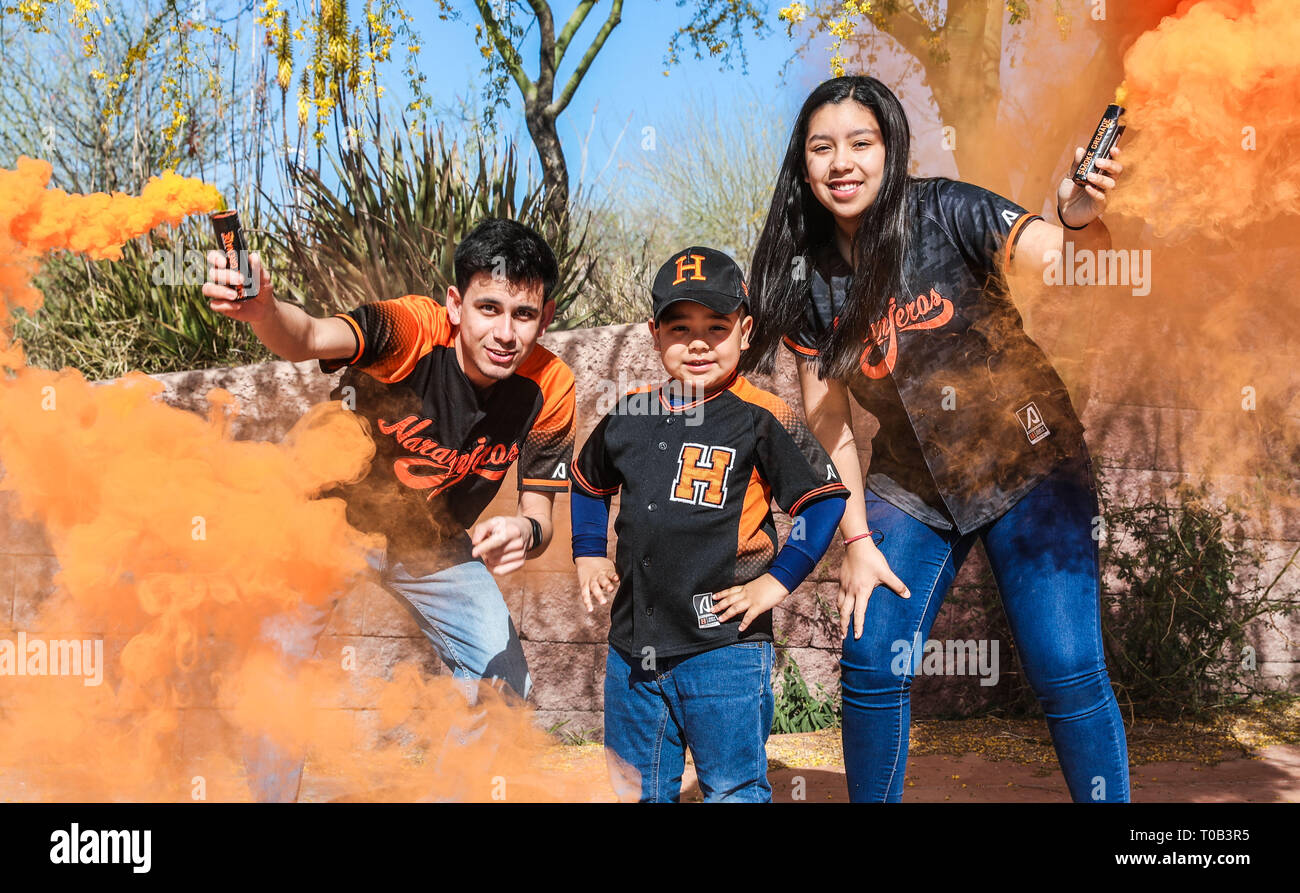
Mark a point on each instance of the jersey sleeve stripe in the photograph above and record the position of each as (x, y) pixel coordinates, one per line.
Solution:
(799, 348)
(357, 334)
(544, 484)
(814, 494)
(413, 325)
(1014, 236)
(585, 485)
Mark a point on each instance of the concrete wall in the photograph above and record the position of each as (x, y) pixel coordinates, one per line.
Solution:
(1144, 444)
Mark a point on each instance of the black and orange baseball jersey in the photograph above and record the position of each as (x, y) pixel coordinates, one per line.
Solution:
(697, 481)
(972, 415)
(443, 446)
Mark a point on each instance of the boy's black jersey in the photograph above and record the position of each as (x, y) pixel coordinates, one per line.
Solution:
(972, 415)
(697, 481)
(443, 446)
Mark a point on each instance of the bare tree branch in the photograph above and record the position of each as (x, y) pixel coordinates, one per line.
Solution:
(615, 14)
(509, 56)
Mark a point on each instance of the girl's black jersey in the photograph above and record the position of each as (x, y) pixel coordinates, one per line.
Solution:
(972, 415)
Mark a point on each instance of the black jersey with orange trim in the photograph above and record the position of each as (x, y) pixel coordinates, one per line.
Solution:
(697, 481)
(972, 415)
(444, 446)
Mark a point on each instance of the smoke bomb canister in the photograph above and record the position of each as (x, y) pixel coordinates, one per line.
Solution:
(230, 239)
(1103, 140)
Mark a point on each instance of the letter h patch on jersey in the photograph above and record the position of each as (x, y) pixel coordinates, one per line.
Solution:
(702, 475)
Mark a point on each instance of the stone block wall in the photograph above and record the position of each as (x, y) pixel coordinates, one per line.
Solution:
(1144, 446)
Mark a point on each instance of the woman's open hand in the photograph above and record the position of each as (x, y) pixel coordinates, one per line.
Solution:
(863, 569)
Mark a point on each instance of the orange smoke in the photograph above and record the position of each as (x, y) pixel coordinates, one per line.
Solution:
(175, 545)
(35, 219)
(1190, 372)
(1212, 95)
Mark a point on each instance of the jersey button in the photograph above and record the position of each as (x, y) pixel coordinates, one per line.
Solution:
(645, 562)
(668, 421)
(662, 445)
(649, 612)
(651, 507)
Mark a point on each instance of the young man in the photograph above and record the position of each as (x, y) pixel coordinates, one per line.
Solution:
(698, 461)
(453, 396)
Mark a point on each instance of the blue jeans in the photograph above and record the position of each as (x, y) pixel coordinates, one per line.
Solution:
(1045, 562)
(718, 703)
(461, 610)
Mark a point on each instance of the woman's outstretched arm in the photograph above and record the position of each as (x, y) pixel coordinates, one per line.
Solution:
(1043, 243)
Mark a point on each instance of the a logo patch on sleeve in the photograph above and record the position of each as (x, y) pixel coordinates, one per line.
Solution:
(1032, 421)
(703, 603)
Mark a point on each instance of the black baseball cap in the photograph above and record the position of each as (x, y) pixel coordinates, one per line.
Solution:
(699, 274)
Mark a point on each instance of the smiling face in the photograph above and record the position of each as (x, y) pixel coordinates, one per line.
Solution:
(844, 160)
(498, 323)
(700, 347)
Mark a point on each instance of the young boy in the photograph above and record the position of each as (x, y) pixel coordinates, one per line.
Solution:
(698, 459)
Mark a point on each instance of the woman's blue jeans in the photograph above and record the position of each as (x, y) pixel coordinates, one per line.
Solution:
(1045, 561)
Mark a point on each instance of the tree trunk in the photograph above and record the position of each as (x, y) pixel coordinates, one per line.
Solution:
(555, 175)
(967, 89)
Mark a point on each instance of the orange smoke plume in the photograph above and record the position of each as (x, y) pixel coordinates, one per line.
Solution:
(175, 545)
(35, 219)
(1212, 95)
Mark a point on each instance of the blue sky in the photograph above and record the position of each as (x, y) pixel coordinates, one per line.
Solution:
(625, 89)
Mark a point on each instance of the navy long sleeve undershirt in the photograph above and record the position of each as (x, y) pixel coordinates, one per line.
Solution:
(808, 541)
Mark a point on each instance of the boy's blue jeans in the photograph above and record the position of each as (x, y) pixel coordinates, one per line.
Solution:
(461, 610)
(1045, 561)
(718, 703)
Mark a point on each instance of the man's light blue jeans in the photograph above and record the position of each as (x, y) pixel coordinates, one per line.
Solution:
(461, 610)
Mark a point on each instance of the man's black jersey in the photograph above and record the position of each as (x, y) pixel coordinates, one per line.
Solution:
(443, 446)
(972, 415)
(694, 516)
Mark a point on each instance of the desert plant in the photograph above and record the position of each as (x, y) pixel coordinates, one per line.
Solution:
(391, 224)
(143, 312)
(800, 710)
(1186, 590)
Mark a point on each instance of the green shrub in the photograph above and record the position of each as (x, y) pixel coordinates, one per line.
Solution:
(391, 225)
(1187, 587)
(143, 312)
(798, 709)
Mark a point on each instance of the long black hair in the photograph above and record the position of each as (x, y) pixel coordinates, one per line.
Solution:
(798, 225)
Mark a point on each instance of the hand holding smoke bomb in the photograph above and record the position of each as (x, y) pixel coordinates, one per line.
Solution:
(237, 286)
(1099, 147)
(1082, 195)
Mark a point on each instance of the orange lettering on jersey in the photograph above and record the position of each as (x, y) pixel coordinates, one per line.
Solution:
(930, 311)
(444, 467)
(692, 262)
(702, 475)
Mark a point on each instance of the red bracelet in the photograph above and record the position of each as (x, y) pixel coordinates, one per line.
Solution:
(860, 536)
